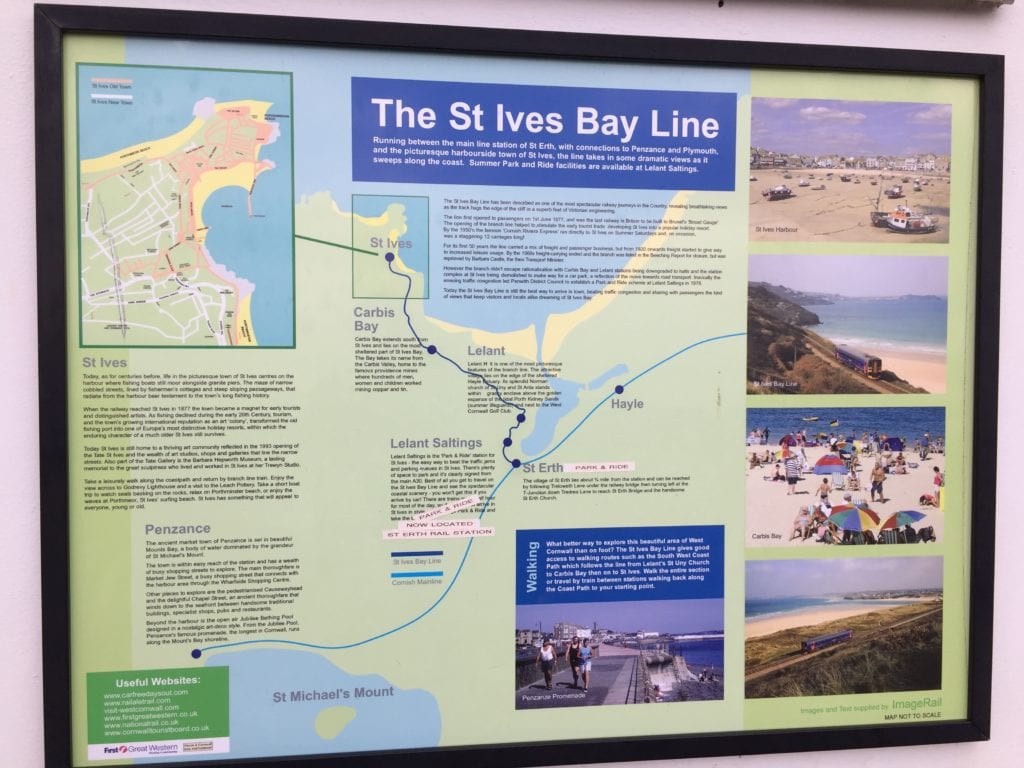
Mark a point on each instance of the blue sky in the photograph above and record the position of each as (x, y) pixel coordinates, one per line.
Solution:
(852, 275)
(835, 575)
(850, 128)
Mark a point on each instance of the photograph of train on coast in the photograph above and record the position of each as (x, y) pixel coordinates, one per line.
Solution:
(837, 627)
(851, 324)
(828, 478)
(849, 171)
(639, 651)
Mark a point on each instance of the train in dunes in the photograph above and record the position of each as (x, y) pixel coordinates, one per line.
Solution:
(824, 641)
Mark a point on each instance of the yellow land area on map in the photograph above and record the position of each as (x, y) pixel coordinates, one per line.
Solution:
(522, 343)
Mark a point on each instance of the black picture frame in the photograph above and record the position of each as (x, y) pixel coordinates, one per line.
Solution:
(54, 22)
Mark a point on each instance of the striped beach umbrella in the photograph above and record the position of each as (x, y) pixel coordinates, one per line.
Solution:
(853, 517)
(828, 464)
(901, 518)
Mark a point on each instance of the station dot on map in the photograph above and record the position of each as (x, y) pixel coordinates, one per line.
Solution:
(196, 653)
(516, 463)
(432, 349)
(521, 418)
(507, 442)
(619, 389)
(389, 257)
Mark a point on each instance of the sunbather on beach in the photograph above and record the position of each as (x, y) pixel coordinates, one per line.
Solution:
(802, 524)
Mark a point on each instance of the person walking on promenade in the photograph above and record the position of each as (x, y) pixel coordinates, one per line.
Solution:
(572, 655)
(547, 658)
(585, 654)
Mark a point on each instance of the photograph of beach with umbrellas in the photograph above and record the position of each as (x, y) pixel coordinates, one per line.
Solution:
(828, 627)
(827, 477)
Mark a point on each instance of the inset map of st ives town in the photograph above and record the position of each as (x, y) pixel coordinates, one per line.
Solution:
(186, 213)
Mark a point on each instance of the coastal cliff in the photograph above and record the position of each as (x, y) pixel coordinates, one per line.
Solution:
(785, 357)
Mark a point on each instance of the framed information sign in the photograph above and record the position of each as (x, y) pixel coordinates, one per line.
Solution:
(444, 396)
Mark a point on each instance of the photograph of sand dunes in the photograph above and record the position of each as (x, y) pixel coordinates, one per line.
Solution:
(833, 628)
(849, 171)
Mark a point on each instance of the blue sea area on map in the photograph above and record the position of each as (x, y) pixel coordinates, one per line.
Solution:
(562, 403)
(401, 719)
(618, 370)
(550, 413)
(258, 249)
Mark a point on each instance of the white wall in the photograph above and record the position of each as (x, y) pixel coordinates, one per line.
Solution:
(914, 24)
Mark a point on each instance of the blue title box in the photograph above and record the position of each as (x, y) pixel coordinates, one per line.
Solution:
(432, 132)
(582, 565)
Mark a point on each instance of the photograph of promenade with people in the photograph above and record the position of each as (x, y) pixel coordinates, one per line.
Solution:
(836, 627)
(849, 324)
(824, 477)
(629, 652)
(849, 171)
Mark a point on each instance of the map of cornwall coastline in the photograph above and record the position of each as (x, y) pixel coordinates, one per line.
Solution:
(147, 276)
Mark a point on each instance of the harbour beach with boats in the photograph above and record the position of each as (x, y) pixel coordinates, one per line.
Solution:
(870, 206)
(838, 170)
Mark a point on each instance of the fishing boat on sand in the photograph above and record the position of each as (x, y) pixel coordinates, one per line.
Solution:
(780, 192)
(910, 222)
(894, 192)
